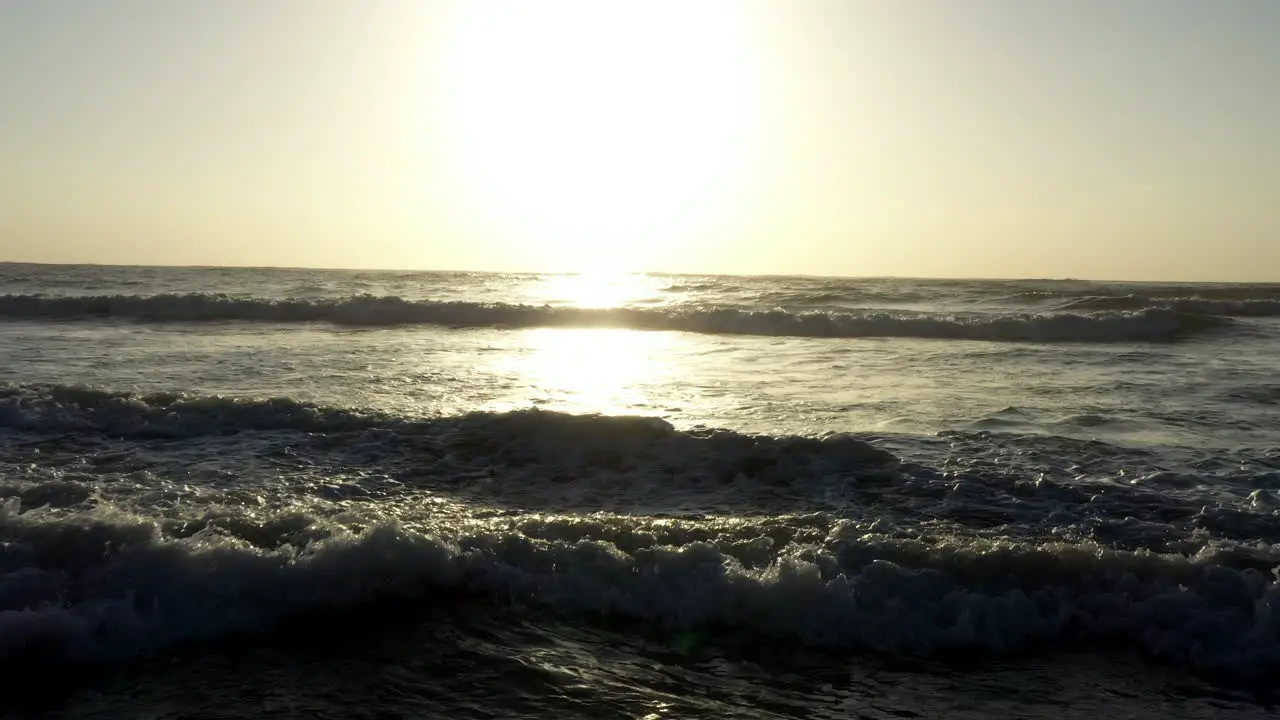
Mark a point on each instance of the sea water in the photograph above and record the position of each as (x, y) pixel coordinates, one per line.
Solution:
(286, 493)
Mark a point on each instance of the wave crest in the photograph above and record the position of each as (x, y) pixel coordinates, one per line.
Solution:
(1142, 325)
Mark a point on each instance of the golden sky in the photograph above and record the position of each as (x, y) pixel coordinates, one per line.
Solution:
(988, 138)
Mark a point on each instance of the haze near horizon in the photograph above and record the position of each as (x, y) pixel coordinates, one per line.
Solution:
(994, 138)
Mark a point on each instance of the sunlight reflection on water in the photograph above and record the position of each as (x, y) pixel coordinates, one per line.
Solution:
(597, 370)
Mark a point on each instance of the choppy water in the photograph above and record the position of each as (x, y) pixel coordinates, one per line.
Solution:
(285, 492)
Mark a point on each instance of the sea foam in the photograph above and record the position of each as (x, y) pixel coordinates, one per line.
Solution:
(106, 584)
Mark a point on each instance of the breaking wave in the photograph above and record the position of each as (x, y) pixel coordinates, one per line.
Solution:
(104, 584)
(1143, 325)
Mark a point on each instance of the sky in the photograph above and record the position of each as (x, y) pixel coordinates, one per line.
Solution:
(988, 138)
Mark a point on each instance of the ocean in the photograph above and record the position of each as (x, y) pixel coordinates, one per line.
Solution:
(297, 493)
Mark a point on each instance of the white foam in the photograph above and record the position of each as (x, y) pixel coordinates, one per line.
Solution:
(106, 584)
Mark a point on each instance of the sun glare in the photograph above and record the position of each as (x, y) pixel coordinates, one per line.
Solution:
(597, 290)
(603, 130)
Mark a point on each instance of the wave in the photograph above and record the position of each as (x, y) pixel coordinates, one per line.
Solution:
(105, 584)
(615, 461)
(1147, 325)
(89, 577)
(1255, 307)
(78, 409)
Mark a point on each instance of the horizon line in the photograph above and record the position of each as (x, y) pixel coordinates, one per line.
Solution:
(661, 273)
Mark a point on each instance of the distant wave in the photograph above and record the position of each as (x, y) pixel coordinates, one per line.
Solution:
(846, 297)
(1255, 307)
(1149, 325)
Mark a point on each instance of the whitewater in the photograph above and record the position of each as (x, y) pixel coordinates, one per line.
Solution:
(273, 492)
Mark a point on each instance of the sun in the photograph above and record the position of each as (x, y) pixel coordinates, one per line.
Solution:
(603, 129)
